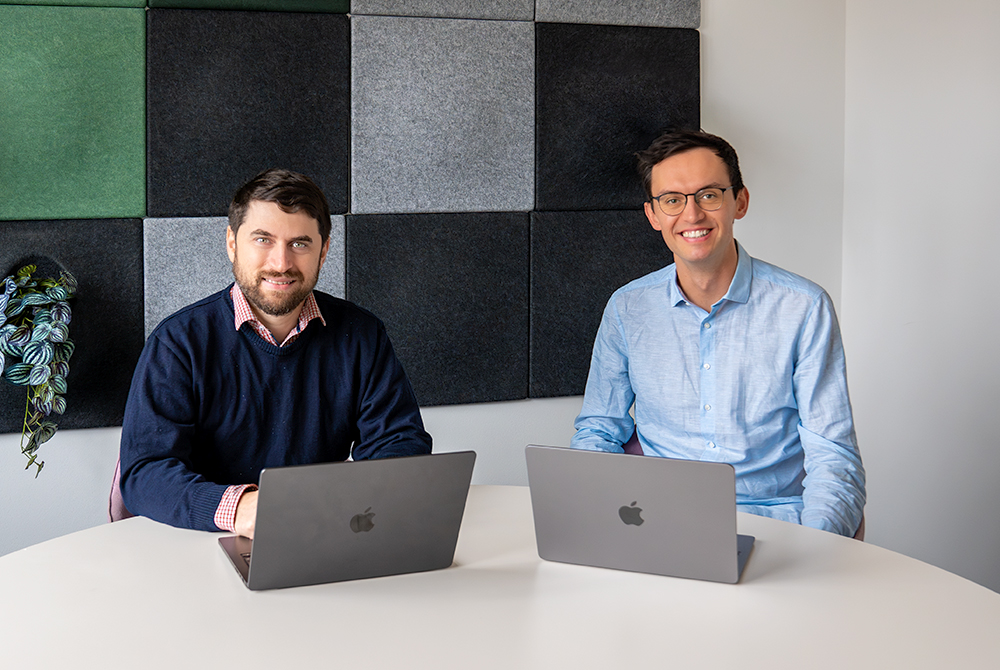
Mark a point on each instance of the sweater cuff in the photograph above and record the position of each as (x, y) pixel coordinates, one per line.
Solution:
(225, 513)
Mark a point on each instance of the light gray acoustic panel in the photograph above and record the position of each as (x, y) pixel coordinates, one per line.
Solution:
(105, 256)
(442, 115)
(578, 259)
(186, 260)
(511, 10)
(662, 13)
(452, 290)
(603, 93)
(230, 94)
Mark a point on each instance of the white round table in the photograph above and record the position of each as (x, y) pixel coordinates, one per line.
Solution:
(138, 594)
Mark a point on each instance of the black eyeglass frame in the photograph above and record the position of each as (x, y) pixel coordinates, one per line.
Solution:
(656, 199)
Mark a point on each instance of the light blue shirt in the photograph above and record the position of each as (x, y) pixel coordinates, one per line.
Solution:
(758, 382)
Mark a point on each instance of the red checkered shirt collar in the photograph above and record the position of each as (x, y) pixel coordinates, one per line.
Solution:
(310, 311)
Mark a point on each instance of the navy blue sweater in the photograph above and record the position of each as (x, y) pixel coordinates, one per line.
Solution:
(211, 406)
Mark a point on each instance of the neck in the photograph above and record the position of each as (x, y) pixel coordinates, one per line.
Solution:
(704, 286)
(280, 326)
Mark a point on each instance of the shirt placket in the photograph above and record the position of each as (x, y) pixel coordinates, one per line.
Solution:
(707, 377)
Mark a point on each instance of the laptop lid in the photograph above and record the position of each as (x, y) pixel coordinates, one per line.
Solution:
(655, 515)
(332, 522)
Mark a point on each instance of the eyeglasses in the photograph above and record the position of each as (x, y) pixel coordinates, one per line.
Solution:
(709, 199)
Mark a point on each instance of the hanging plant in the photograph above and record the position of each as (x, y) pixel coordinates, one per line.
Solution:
(35, 349)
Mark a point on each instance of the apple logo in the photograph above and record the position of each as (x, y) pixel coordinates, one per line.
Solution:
(630, 514)
(362, 523)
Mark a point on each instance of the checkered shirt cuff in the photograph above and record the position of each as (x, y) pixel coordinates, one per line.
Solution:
(225, 513)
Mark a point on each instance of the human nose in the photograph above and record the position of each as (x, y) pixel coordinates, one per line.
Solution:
(280, 258)
(692, 210)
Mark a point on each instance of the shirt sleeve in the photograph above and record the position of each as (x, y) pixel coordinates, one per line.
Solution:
(389, 422)
(834, 485)
(158, 427)
(604, 423)
(225, 513)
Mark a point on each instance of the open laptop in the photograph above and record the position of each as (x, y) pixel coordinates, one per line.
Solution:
(332, 522)
(653, 515)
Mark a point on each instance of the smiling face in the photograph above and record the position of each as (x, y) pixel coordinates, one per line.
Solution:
(276, 257)
(702, 242)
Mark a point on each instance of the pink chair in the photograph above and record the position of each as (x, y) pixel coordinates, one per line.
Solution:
(116, 506)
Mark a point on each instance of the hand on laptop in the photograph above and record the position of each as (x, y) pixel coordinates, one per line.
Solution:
(246, 514)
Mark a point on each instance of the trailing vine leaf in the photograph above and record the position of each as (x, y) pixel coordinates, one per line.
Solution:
(35, 349)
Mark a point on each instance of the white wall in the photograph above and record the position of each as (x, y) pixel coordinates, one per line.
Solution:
(921, 237)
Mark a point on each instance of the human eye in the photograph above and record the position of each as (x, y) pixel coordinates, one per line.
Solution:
(709, 195)
(670, 198)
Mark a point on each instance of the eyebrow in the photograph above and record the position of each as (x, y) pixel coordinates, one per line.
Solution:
(712, 185)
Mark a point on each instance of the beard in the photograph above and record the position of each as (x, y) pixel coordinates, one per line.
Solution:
(274, 305)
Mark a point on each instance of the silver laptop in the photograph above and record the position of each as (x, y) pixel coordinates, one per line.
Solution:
(332, 522)
(655, 515)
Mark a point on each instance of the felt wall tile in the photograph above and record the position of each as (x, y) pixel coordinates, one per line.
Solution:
(603, 93)
(512, 10)
(663, 13)
(442, 115)
(72, 112)
(452, 290)
(186, 260)
(339, 6)
(105, 255)
(578, 259)
(78, 3)
(234, 93)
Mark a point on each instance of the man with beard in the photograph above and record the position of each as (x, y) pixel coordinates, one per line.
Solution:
(265, 373)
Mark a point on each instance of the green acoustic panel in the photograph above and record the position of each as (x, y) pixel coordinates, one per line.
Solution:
(72, 112)
(331, 6)
(78, 3)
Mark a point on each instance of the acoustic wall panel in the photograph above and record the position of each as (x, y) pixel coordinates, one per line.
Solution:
(452, 290)
(186, 260)
(72, 112)
(663, 13)
(234, 93)
(442, 115)
(339, 6)
(78, 3)
(603, 93)
(578, 259)
(105, 256)
(511, 10)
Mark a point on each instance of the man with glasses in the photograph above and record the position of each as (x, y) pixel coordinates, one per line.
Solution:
(725, 357)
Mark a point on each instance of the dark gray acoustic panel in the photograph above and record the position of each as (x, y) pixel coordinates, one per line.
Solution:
(452, 290)
(578, 259)
(233, 93)
(511, 10)
(603, 93)
(339, 6)
(186, 260)
(443, 115)
(662, 13)
(105, 255)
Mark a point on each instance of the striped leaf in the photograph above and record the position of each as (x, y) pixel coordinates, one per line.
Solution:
(57, 383)
(39, 375)
(45, 432)
(42, 315)
(40, 332)
(18, 373)
(36, 299)
(44, 406)
(63, 350)
(38, 353)
(59, 405)
(11, 348)
(57, 293)
(60, 368)
(69, 281)
(59, 332)
(61, 312)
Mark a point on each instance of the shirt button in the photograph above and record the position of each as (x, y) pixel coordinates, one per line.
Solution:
(706, 366)
(707, 326)
(711, 445)
(708, 407)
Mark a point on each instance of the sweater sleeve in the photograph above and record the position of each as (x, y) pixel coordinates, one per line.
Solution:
(157, 480)
(389, 422)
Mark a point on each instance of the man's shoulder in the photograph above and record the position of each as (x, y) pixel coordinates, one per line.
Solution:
(208, 313)
(770, 277)
(652, 281)
(338, 312)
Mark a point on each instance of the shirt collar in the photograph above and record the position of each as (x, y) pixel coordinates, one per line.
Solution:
(739, 288)
(244, 314)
